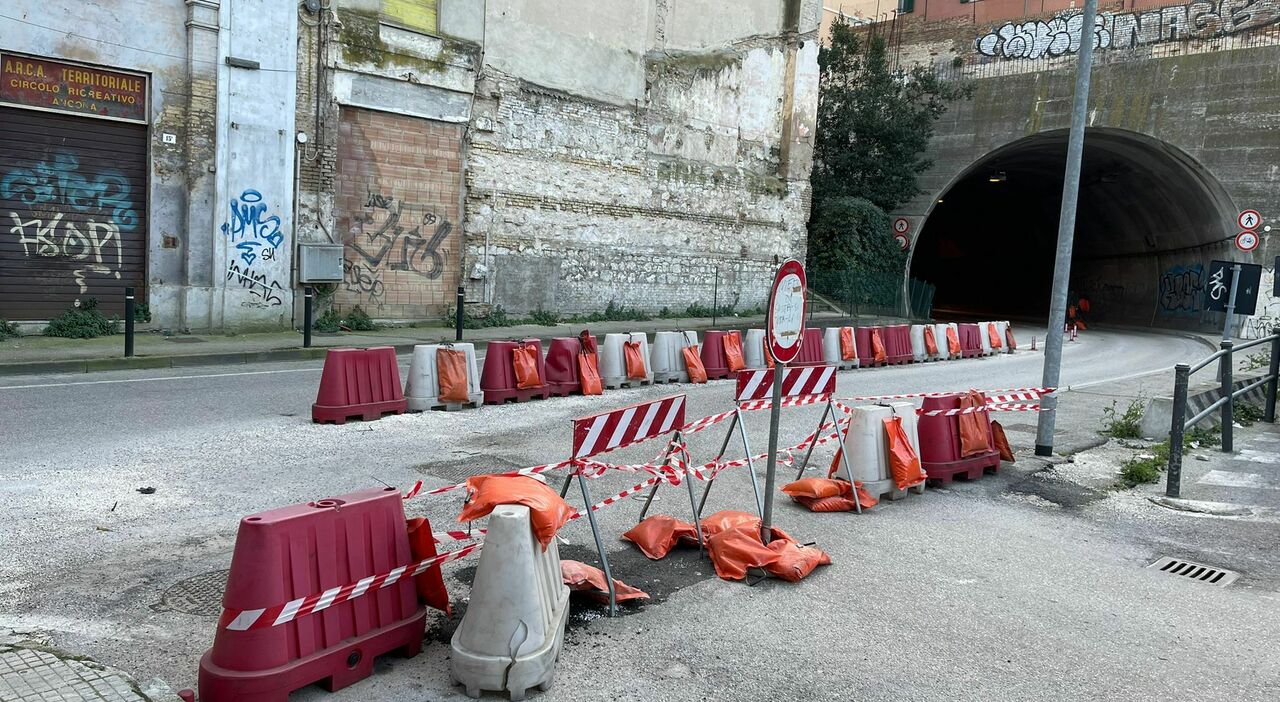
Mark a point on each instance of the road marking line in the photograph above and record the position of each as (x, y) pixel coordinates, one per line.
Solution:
(147, 380)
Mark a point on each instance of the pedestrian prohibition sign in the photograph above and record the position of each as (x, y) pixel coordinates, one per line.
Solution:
(1249, 220)
(786, 311)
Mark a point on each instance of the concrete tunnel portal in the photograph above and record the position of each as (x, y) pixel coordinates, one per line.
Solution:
(989, 240)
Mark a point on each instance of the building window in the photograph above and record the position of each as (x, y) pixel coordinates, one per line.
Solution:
(418, 15)
(905, 6)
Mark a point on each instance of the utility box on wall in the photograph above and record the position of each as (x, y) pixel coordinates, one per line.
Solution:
(319, 263)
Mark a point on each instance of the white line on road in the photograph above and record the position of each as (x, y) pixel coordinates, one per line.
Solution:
(147, 380)
(1228, 478)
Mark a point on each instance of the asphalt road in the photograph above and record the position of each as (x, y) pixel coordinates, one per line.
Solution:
(1013, 587)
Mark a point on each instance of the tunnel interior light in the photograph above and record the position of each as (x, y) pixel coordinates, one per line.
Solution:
(997, 177)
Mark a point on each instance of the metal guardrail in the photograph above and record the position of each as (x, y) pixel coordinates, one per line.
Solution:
(1225, 404)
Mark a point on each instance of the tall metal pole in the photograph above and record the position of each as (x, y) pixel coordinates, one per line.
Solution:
(129, 312)
(1231, 302)
(775, 415)
(1066, 232)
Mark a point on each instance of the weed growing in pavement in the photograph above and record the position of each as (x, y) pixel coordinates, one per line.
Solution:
(328, 322)
(1202, 437)
(1126, 424)
(1145, 467)
(1246, 413)
(83, 322)
(8, 330)
(1262, 359)
(359, 320)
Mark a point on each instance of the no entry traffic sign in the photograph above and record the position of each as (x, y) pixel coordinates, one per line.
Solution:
(1249, 220)
(786, 311)
(1247, 241)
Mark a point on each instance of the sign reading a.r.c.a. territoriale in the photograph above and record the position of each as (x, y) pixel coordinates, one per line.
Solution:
(66, 87)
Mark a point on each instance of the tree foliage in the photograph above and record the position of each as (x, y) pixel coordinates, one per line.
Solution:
(851, 233)
(874, 122)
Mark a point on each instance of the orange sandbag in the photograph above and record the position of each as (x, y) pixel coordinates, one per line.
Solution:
(581, 577)
(993, 336)
(589, 374)
(953, 341)
(973, 429)
(877, 347)
(816, 487)
(657, 535)
(588, 342)
(1001, 441)
(930, 341)
(735, 550)
(728, 519)
(693, 363)
(839, 502)
(524, 359)
(848, 350)
(733, 352)
(429, 584)
(1008, 336)
(795, 561)
(635, 360)
(768, 356)
(904, 464)
(451, 370)
(547, 512)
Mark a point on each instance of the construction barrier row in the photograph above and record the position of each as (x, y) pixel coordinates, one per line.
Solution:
(317, 591)
(365, 383)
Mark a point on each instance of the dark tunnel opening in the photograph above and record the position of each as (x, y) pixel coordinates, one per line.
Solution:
(988, 244)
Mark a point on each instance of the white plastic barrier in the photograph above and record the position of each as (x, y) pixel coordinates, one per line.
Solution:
(919, 353)
(613, 362)
(831, 349)
(753, 349)
(940, 336)
(867, 447)
(666, 362)
(510, 637)
(1002, 328)
(985, 339)
(422, 387)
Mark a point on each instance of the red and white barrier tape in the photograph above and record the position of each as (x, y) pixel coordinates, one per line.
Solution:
(535, 470)
(986, 408)
(473, 535)
(1036, 392)
(249, 619)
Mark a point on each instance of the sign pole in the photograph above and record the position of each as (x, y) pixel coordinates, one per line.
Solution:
(775, 414)
(1231, 302)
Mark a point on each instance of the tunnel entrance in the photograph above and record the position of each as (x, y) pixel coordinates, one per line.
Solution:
(1145, 208)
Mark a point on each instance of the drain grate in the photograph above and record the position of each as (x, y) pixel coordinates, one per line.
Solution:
(1196, 571)
(200, 595)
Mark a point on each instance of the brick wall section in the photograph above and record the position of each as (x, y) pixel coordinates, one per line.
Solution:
(397, 206)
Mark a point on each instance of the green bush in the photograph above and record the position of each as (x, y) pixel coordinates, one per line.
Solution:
(330, 321)
(142, 312)
(8, 330)
(1138, 471)
(1127, 424)
(1246, 413)
(852, 234)
(359, 320)
(543, 317)
(614, 313)
(84, 322)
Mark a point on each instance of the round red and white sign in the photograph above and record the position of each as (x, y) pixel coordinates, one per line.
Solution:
(786, 312)
(902, 241)
(1247, 241)
(901, 225)
(1249, 220)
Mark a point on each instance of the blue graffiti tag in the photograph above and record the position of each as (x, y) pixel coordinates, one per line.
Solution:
(57, 181)
(261, 236)
(1181, 290)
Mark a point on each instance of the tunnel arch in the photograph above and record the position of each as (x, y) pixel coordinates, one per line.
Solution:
(1147, 209)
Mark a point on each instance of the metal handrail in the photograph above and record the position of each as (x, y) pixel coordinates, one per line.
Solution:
(1224, 404)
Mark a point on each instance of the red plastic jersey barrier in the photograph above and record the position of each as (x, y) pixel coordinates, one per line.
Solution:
(713, 356)
(897, 341)
(498, 379)
(940, 443)
(299, 551)
(810, 349)
(970, 340)
(561, 365)
(361, 383)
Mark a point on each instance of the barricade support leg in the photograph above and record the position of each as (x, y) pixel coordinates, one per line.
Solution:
(604, 559)
(808, 453)
(724, 446)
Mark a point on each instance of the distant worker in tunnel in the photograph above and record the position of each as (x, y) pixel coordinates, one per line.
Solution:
(1082, 311)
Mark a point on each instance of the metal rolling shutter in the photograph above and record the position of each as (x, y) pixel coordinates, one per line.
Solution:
(73, 212)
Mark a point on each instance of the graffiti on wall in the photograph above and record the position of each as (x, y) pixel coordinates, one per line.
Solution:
(71, 214)
(1267, 314)
(256, 237)
(390, 235)
(1182, 291)
(1060, 35)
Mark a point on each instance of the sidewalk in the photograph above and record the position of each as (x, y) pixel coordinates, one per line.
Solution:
(41, 354)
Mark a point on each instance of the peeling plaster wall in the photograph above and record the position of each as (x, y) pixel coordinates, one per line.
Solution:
(629, 164)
